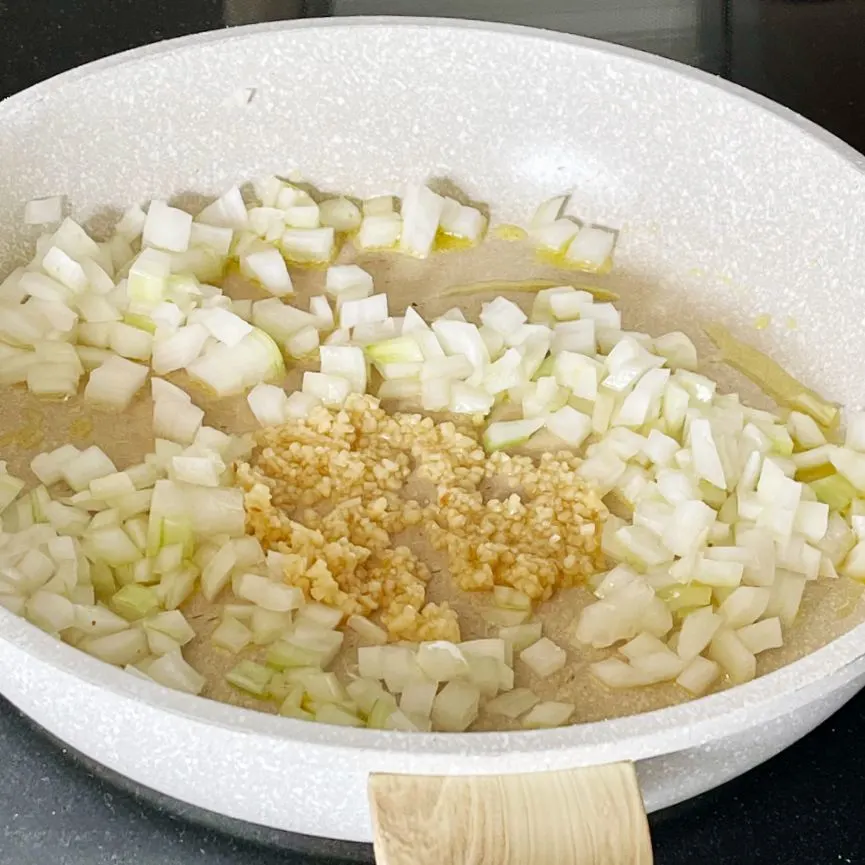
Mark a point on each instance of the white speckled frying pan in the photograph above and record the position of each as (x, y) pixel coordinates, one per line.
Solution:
(730, 207)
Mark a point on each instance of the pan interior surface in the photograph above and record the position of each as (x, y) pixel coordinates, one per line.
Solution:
(727, 211)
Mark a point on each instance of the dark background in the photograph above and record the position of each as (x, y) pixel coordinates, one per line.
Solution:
(805, 807)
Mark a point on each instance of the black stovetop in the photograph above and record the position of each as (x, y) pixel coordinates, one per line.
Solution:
(804, 807)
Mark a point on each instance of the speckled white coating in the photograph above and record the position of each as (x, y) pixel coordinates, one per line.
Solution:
(727, 203)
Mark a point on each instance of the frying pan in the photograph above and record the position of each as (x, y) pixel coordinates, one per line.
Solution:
(729, 207)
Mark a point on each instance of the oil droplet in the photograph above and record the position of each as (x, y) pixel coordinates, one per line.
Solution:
(30, 439)
(527, 286)
(509, 232)
(450, 242)
(792, 324)
(697, 271)
(81, 428)
(761, 322)
(558, 259)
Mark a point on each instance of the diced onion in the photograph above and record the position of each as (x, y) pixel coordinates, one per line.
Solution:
(43, 211)
(549, 714)
(455, 707)
(114, 384)
(543, 657)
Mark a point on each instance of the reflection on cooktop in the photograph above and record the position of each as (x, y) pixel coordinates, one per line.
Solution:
(690, 31)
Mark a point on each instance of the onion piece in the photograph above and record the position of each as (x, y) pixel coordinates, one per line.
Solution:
(368, 632)
(379, 231)
(231, 635)
(323, 642)
(347, 362)
(172, 624)
(707, 462)
(320, 308)
(547, 715)
(114, 384)
(166, 227)
(98, 621)
(215, 575)
(280, 320)
(379, 205)
(460, 337)
(284, 655)
(44, 211)
(271, 596)
(228, 211)
(172, 671)
(688, 527)
(465, 399)
(549, 211)
(511, 599)
(699, 676)
(505, 618)
(544, 657)
(10, 488)
(698, 630)
(367, 310)
(441, 661)
(179, 349)
(455, 366)
(786, 596)
(512, 704)
(268, 403)
(304, 214)
(267, 625)
(111, 486)
(308, 245)
(744, 605)
(555, 236)
(678, 350)
(176, 421)
(302, 343)
(462, 221)
(318, 615)
(130, 342)
(332, 390)
(134, 601)
(225, 326)
(86, 466)
(728, 650)
(176, 586)
(204, 471)
(455, 707)
(126, 647)
(615, 673)
(340, 214)
(417, 699)
(570, 425)
(421, 213)
(50, 612)
(400, 349)
(502, 315)
(331, 714)
(250, 677)
(300, 404)
(762, 635)
(267, 267)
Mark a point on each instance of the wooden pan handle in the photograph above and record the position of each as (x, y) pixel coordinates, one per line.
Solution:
(591, 816)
